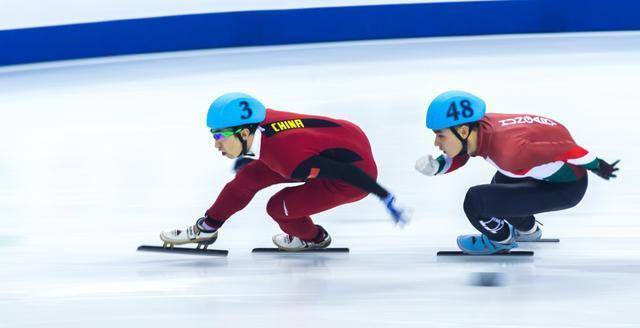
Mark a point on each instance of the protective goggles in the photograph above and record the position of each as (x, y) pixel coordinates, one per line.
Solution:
(222, 135)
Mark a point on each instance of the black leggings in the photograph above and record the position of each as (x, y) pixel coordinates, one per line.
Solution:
(517, 200)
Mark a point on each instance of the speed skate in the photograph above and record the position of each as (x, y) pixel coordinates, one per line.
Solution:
(189, 235)
(201, 249)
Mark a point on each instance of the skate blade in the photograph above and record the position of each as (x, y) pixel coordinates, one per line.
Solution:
(542, 240)
(182, 250)
(460, 253)
(319, 250)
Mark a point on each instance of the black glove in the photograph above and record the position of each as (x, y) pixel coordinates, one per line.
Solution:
(606, 170)
(240, 163)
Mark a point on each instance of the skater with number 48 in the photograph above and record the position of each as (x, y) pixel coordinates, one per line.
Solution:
(332, 157)
(540, 168)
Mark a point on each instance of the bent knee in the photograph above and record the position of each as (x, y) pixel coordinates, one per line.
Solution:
(574, 200)
(473, 201)
(275, 207)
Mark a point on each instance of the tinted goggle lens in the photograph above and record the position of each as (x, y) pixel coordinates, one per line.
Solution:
(221, 135)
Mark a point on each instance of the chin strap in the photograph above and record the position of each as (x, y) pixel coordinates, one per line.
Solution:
(463, 141)
(244, 144)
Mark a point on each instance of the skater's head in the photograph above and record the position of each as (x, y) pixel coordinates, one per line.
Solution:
(233, 119)
(234, 142)
(464, 142)
(453, 117)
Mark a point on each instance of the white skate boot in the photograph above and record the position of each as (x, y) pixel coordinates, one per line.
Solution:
(294, 244)
(532, 235)
(191, 234)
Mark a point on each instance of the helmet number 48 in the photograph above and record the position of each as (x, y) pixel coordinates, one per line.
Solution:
(246, 109)
(454, 112)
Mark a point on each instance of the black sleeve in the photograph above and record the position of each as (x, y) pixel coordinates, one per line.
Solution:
(240, 162)
(325, 168)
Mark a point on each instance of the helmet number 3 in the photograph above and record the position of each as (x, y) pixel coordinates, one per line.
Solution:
(454, 112)
(246, 109)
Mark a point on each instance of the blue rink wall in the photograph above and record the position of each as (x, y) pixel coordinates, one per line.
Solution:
(292, 26)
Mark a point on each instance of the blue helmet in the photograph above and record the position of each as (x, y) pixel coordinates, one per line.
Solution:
(235, 109)
(454, 108)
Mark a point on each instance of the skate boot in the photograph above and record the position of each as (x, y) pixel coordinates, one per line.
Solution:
(532, 235)
(482, 245)
(294, 244)
(191, 234)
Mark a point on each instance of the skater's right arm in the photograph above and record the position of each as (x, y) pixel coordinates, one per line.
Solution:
(237, 193)
(427, 165)
(569, 152)
(604, 169)
(581, 157)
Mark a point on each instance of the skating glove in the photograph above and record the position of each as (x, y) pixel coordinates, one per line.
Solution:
(606, 170)
(427, 165)
(401, 215)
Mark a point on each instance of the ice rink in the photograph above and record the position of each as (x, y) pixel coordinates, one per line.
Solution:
(98, 156)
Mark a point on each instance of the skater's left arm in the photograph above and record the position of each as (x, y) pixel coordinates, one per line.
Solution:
(319, 167)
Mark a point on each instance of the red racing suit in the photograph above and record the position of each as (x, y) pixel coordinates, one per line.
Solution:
(287, 141)
(522, 145)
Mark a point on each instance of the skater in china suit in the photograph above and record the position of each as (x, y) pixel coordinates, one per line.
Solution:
(333, 157)
(540, 168)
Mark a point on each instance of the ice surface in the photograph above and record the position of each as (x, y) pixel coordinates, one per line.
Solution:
(97, 156)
